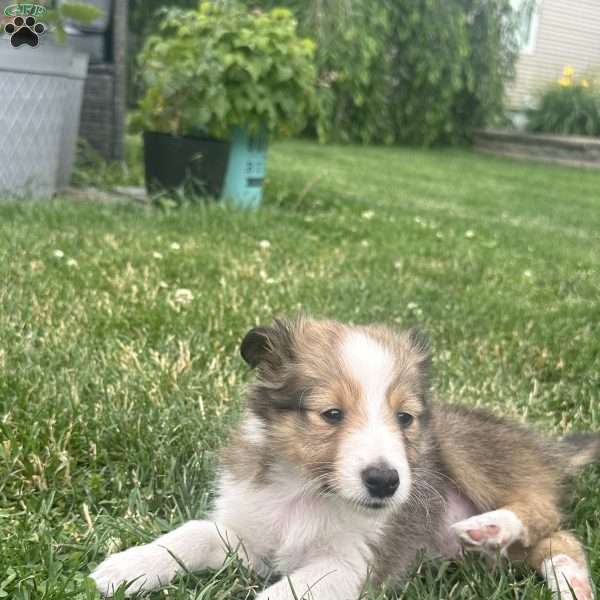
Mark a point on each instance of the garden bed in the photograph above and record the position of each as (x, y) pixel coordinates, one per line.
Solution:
(563, 149)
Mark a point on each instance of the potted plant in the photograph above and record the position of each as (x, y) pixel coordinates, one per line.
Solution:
(219, 81)
(41, 87)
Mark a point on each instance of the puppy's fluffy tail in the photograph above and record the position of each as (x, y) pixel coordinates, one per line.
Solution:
(580, 449)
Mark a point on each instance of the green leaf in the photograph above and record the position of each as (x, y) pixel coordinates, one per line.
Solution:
(80, 11)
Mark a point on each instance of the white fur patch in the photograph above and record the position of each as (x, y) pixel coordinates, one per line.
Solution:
(285, 524)
(142, 568)
(253, 430)
(196, 544)
(564, 574)
(329, 578)
(491, 531)
(372, 366)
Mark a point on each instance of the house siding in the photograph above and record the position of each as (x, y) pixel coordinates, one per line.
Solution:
(568, 33)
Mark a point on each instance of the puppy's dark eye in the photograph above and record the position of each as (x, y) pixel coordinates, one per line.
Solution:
(404, 419)
(333, 416)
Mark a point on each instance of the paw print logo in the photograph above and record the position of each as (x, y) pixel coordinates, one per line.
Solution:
(24, 31)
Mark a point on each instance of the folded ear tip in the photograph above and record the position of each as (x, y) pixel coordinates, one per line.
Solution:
(419, 339)
(253, 346)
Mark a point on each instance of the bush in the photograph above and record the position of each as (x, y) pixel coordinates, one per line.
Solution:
(221, 66)
(417, 71)
(570, 105)
(452, 60)
(143, 20)
(354, 67)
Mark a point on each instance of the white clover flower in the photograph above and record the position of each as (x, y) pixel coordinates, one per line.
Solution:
(368, 214)
(71, 262)
(528, 273)
(415, 308)
(365, 243)
(264, 244)
(183, 296)
(175, 246)
(113, 544)
(157, 255)
(58, 254)
(469, 234)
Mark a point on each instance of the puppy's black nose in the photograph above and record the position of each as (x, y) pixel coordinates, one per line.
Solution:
(381, 482)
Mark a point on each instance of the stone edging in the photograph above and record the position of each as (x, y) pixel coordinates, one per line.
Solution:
(568, 150)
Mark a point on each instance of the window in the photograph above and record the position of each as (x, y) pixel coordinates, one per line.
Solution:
(526, 13)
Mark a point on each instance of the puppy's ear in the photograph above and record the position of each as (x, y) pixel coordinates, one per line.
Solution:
(270, 346)
(256, 345)
(421, 355)
(419, 344)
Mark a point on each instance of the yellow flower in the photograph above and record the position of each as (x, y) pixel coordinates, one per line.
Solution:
(568, 71)
(564, 81)
(585, 83)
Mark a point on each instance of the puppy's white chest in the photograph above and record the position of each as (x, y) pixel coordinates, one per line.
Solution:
(299, 532)
(281, 527)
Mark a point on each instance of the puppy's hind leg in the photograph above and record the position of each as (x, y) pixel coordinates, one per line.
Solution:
(195, 546)
(561, 561)
(521, 523)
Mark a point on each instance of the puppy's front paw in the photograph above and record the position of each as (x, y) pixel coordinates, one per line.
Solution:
(567, 579)
(138, 569)
(491, 531)
(283, 591)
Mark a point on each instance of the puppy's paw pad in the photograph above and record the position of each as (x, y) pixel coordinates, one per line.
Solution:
(484, 533)
(575, 589)
(582, 589)
(568, 579)
(490, 531)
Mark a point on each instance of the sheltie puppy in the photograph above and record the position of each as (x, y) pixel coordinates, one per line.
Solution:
(344, 470)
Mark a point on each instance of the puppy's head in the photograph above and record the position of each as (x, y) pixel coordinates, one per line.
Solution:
(347, 406)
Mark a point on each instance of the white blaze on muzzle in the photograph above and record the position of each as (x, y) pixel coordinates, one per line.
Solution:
(378, 443)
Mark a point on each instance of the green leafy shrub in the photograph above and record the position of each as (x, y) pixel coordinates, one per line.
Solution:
(143, 20)
(452, 61)
(570, 105)
(353, 64)
(221, 66)
(417, 71)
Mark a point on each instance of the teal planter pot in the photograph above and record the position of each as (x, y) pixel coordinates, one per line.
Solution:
(232, 170)
(246, 169)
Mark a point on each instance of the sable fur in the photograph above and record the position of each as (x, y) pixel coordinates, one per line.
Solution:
(289, 492)
(492, 461)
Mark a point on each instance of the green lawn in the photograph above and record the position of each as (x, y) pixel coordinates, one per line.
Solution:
(115, 393)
